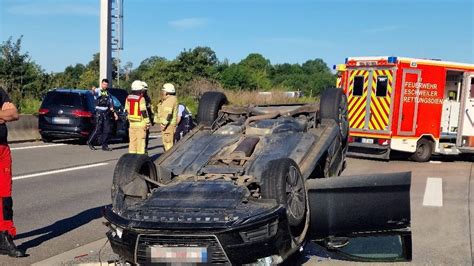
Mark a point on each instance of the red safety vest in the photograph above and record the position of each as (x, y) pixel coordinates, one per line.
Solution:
(134, 113)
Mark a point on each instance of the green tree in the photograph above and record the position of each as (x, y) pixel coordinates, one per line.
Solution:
(19, 75)
(198, 62)
(238, 77)
(259, 68)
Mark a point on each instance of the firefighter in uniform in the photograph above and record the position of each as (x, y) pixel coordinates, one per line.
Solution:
(104, 110)
(167, 113)
(149, 111)
(138, 118)
(7, 228)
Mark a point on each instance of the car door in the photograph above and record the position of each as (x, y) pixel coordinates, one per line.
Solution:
(350, 213)
(121, 125)
(466, 134)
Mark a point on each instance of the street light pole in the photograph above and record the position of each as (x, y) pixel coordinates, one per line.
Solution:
(105, 41)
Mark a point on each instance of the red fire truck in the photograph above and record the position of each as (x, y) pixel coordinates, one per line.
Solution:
(418, 106)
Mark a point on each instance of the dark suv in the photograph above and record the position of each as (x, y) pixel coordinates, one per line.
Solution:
(69, 113)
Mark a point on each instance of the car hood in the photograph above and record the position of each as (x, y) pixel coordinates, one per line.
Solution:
(205, 204)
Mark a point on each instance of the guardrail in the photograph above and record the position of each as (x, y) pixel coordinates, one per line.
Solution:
(24, 129)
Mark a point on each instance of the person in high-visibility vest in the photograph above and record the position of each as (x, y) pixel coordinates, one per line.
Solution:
(138, 118)
(167, 114)
(149, 109)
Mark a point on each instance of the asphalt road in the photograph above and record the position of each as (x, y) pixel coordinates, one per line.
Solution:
(58, 211)
(59, 189)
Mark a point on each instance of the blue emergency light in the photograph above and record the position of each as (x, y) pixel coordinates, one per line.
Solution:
(392, 60)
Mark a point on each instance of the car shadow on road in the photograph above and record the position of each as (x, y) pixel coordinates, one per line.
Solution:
(312, 253)
(59, 228)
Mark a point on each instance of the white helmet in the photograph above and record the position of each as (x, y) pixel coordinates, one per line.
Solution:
(137, 85)
(169, 88)
(144, 85)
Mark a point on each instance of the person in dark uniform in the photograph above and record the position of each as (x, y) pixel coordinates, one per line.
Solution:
(149, 111)
(104, 114)
(7, 228)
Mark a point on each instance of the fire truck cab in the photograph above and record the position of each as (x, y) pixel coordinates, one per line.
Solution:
(418, 106)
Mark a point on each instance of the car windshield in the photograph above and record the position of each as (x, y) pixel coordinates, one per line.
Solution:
(120, 95)
(117, 103)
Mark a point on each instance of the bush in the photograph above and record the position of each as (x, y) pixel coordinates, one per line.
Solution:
(191, 103)
(29, 105)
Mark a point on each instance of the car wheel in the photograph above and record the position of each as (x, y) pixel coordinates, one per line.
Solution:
(282, 181)
(333, 105)
(128, 185)
(209, 106)
(46, 139)
(424, 149)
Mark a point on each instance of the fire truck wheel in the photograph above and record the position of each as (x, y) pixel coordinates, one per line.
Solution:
(424, 148)
(334, 106)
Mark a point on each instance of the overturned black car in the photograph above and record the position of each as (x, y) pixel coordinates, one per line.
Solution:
(254, 182)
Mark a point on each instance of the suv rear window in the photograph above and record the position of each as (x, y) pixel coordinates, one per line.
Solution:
(62, 99)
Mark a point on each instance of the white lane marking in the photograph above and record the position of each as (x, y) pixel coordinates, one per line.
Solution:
(37, 146)
(155, 136)
(433, 192)
(435, 161)
(59, 171)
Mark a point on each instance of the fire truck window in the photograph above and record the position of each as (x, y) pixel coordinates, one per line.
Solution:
(472, 88)
(358, 86)
(381, 89)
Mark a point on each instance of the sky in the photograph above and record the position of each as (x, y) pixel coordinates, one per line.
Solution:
(59, 33)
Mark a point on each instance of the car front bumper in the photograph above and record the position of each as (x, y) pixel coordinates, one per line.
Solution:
(246, 242)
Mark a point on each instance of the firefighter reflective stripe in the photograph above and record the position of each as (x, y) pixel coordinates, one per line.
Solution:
(380, 105)
(134, 112)
(357, 103)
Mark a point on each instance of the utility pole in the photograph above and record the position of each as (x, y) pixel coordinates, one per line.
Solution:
(105, 41)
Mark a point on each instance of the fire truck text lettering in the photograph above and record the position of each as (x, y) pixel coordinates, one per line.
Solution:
(411, 99)
(423, 93)
(419, 92)
(421, 85)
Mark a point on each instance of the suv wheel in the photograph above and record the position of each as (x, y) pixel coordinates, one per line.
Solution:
(209, 106)
(282, 180)
(46, 139)
(128, 185)
(333, 105)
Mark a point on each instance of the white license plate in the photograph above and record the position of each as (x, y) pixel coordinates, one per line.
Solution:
(61, 120)
(178, 254)
(367, 141)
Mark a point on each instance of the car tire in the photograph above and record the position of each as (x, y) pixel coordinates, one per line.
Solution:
(209, 105)
(46, 139)
(128, 185)
(424, 149)
(333, 105)
(279, 176)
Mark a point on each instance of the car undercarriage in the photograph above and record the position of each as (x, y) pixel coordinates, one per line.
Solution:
(251, 182)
